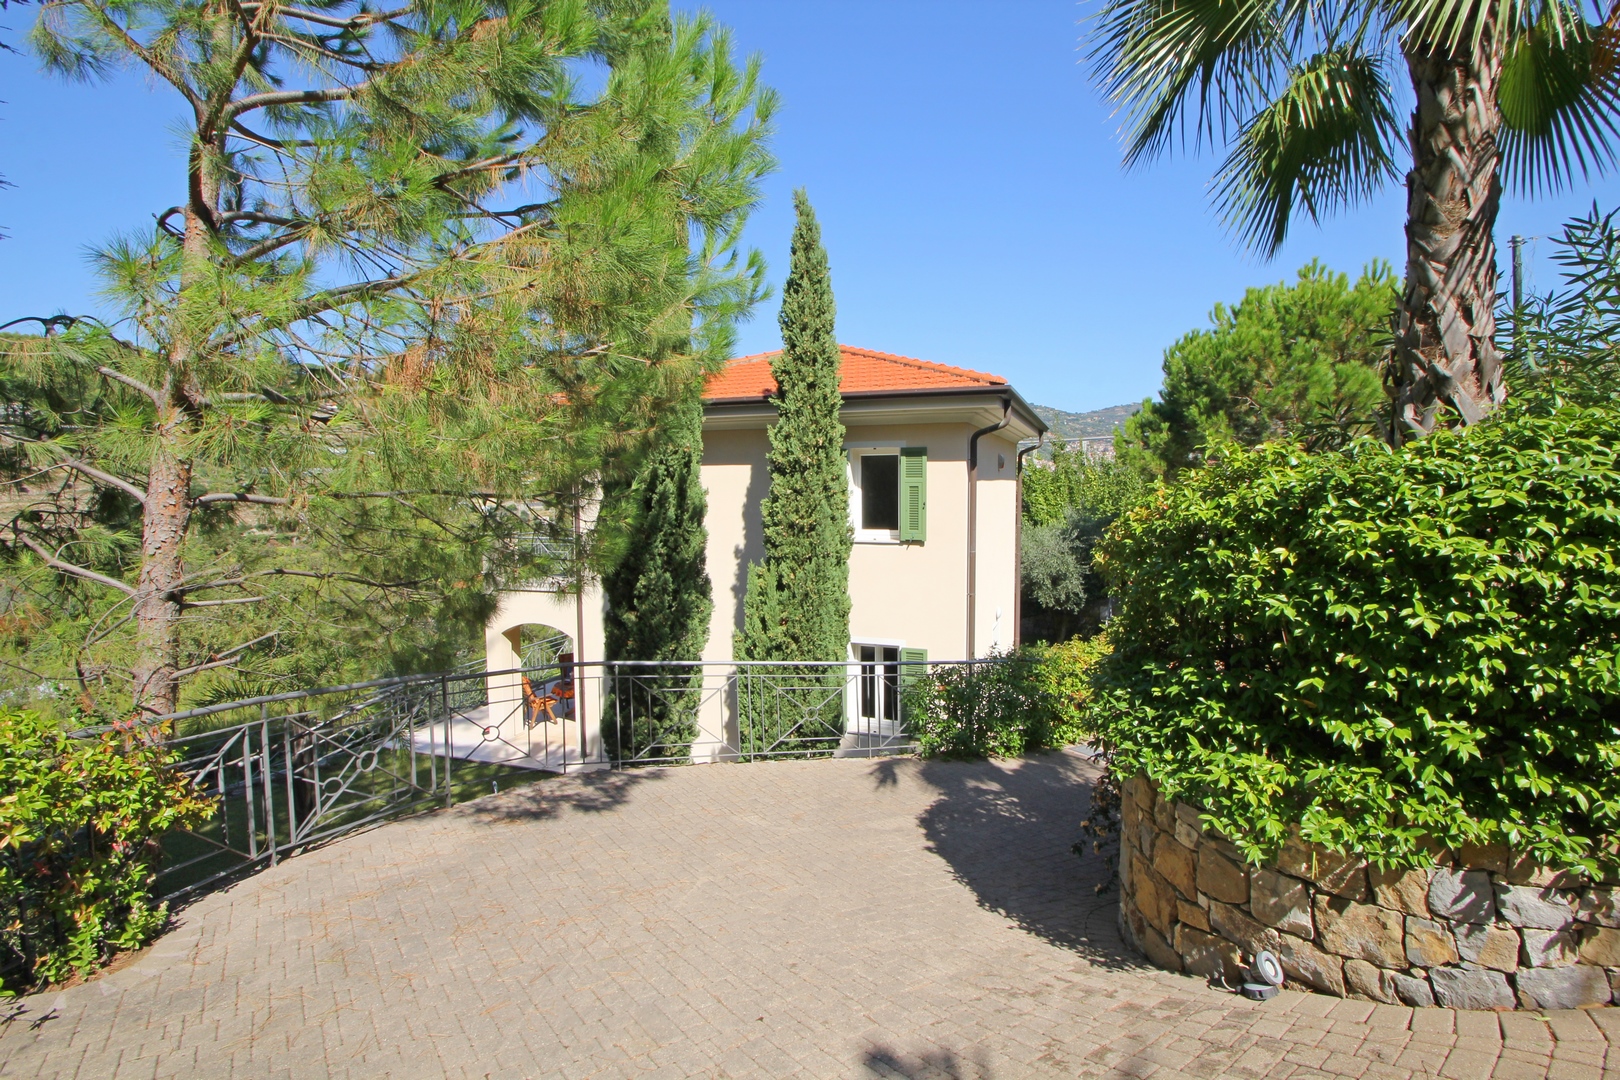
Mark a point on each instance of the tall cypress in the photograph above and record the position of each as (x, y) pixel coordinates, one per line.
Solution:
(797, 603)
(660, 599)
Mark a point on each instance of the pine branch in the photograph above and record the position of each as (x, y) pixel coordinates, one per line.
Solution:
(105, 477)
(222, 603)
(239, 497)
(228, 657)
(131, 382)
(66, 567)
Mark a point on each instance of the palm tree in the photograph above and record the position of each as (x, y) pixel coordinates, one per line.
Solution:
(1300, 92)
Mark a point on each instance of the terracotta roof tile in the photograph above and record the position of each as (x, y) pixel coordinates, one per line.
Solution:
(860, 371)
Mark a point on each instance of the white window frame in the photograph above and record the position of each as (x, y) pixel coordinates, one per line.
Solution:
(869, 536)
(853, 718)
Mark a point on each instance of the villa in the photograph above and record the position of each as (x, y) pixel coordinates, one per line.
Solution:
(933, 454)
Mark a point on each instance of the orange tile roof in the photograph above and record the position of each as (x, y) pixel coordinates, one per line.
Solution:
(860, 371)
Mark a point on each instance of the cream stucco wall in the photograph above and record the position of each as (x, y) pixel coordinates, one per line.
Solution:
(904, 594)
(913, 595)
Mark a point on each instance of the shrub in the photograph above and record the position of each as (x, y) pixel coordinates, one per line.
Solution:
(1064, 675)
(79, 822)
(1386, 649)
(1030, 700)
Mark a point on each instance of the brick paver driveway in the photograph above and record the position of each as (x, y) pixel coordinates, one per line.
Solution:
(885, 918)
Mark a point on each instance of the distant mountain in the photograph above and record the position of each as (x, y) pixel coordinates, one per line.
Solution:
(1086, 425)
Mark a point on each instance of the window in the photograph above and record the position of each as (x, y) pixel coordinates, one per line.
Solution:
(889, 500)
(880, 492)
(880, 681)
(884, 673)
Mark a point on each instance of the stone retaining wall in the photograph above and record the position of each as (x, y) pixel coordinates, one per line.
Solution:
(1480, 932)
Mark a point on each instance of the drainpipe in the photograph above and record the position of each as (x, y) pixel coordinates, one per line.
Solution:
(973, 518)
(1018, 547)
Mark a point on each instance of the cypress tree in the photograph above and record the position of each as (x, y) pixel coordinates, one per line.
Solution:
(659, 597)
(797, 601)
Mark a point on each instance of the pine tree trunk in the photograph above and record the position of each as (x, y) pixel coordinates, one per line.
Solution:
(1445, 349)
(157, 608)
(167, 514)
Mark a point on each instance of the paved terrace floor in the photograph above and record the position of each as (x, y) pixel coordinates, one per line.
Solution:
(843, 918)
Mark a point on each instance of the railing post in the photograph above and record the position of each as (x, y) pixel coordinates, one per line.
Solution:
(247, 792)
(449, 743)
(292, 796)
(269, 787)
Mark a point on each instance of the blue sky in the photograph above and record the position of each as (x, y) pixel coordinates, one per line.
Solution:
(966, 174)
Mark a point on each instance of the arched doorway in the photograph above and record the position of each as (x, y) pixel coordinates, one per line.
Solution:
(547, 679)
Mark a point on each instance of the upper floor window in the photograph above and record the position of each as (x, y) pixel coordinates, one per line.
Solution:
(889, 496)
(880, 493)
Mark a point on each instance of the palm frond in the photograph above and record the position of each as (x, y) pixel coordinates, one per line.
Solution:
(1481, 25)
(1559, 95)
(1324, 142)
(1168, 63)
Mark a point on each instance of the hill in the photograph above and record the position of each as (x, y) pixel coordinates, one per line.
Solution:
(1086, 425)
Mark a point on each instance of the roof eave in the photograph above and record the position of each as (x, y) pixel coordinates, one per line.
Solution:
(1028, 417)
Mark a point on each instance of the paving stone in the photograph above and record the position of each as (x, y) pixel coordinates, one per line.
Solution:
(823, 919)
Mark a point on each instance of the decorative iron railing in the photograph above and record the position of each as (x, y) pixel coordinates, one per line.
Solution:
(296, 769)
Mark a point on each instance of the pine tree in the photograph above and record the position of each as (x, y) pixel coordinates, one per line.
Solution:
(797, 603)
(660, 598)
(417, 284)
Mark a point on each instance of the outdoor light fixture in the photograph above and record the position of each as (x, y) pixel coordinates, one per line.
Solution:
(1265, 976)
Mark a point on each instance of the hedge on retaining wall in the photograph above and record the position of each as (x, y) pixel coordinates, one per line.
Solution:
(1394, 650)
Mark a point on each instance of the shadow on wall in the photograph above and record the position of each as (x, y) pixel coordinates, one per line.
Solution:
(584, 793)
(752, 549)
(1006, 829)
(931, 1064)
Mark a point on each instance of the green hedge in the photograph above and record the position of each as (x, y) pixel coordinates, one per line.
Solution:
(1031, 700)
(1386, 649)
(79, 822)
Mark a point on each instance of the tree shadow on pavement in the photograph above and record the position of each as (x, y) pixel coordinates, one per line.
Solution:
(585, 793)
(884, 1061)
(1007, 830)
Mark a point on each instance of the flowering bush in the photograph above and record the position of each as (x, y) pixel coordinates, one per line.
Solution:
(79, 823)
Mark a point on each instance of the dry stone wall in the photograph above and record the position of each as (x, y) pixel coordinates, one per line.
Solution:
(1480, 931)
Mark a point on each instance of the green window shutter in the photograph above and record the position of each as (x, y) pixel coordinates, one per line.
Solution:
(910, 665)
(913, 494)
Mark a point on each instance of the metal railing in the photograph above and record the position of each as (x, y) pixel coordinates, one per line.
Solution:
(296, 769)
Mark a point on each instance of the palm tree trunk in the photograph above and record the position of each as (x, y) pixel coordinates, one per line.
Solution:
(1446, 355)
